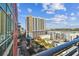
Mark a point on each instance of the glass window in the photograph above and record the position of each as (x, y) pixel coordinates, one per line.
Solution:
(8, 20)
(2, 25)
(10, 7)
(6, 25)
(3, 6)
(8, 11)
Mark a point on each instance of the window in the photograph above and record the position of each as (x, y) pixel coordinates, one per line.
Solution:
(10, 7)
(2, 24)
(6, 25)
(3, 6)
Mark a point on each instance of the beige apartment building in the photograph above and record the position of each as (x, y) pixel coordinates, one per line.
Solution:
(33, 25)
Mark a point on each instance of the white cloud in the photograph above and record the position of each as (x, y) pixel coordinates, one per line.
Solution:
(52, 7)
(63, 20)
(49, 12)
(73, 24)
(65, 23)
(29, 10)
(72, 14)
(45, 6)
(59, 18)
(73, 18)
(58, 6)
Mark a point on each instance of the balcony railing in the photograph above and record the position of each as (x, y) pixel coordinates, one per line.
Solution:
(6, 45)
(53, 51)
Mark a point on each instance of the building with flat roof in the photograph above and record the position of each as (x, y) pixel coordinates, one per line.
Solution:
(34, 24)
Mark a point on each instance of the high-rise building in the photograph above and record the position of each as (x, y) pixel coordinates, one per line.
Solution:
(8, 29)
(34, 24)
(29, 21)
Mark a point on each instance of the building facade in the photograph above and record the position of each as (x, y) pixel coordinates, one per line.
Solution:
(8, 24)
(20, 30)
(34, 24)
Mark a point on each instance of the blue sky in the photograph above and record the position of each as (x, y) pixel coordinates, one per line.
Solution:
(56, 15)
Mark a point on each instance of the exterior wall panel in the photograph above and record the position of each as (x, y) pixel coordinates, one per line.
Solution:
(7, 26)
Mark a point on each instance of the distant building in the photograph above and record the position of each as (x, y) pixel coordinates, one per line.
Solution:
(37, 33)
(34, 24)
(20, 29)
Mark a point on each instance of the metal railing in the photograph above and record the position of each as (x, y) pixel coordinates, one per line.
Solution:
(5, 41)
(6, 44)
(8, 49)
(52, 51)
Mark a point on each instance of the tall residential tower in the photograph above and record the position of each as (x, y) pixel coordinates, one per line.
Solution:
(34, 24)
